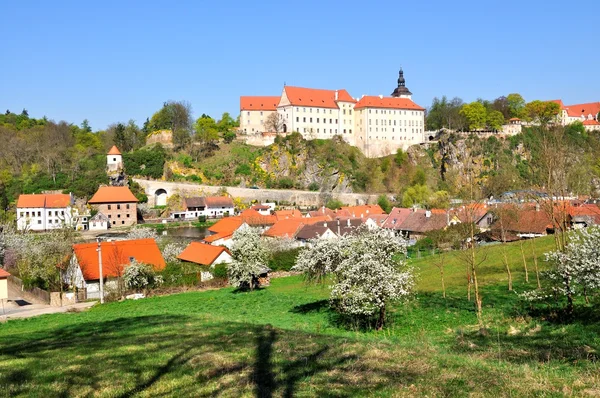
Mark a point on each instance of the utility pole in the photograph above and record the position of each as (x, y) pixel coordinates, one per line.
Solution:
(99, 250)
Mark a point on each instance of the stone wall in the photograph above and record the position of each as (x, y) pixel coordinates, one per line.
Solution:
(299, 198)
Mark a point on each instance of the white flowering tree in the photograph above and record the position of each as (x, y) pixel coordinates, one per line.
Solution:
(250, 258)
(139, 276)
(171, 251)
(142, 233)
(368, 271)
(577, 268)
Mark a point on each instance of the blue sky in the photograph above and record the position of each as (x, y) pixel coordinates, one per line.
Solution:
(113, 61)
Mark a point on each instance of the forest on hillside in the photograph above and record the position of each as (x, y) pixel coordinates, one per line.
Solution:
(41, 154)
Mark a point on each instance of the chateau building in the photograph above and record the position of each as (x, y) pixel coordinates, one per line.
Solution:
(118, 204)
(41, 212)
(586, 113)
(377, 125)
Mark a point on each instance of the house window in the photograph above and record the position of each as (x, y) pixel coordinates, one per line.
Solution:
(128, 215)
(311, 119)
(114, 223)
(109, 207)
(127, 207)
(297, 119)
(109, 216)
(39, 221)
(27, 214)
(304, 119)
(317, 120)
(122, 222)
(118, 216)
(49, 221)
(39, 213)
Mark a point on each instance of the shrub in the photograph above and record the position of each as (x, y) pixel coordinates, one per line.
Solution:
(334, 204)
(138, 276)
(283, 260)
(286, 183)
(313, 186)
(220, 271)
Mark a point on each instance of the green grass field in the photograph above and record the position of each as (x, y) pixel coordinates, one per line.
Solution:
(284, 341)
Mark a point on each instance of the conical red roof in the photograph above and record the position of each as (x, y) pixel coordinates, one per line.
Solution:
(114, 151)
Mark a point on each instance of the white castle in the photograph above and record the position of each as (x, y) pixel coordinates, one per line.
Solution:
(377, 125)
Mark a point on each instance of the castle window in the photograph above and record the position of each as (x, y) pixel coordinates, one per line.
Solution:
(127, 206)
(350, 131)
(311, 119)
(317, 120)
(297, 119)
(118, 207)
(114, 159)
(304, 119)
(109, 207)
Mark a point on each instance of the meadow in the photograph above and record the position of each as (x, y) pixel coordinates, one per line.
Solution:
(284, 341)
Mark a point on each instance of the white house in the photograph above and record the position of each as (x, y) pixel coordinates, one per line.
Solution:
(99, 222)
(210, 207)
(254, 112)
(114, 159)
(205, 255)
(84, 270)
(41, 212)
(3, 284)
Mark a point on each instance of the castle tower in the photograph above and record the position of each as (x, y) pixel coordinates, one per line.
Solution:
(401, 91)
(114, 159)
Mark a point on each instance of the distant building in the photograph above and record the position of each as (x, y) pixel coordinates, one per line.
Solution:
(586, 113)
(114, 159)
(205, 255)
(209, 206)
(377, 125)
(99, 222)
(41, 212)
(119, 204)
(513, 126)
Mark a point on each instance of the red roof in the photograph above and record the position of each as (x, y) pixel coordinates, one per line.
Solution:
(287, 228)
(44, 200)
(3, 274)
(116, 255)
(265, 103)
(590, 108)
(591, 122)
(201, 253)
(360, 211)
(387, 102)
(112, 195)
(323, 211)
(114, 151)
(216, 237)
(285, 214)
(218, 201)
(226, 225)
(396, 217)
(300, 96)
(254, 218)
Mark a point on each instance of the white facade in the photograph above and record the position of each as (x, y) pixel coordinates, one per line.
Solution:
(376, 125)
(254, 112)
(42, 217)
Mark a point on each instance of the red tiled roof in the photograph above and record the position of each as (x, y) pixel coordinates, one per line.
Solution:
(226, 225)
(114, 151)
(418, 222)
(113, 195)
(258, 103)
(300, 96)
(260, 207)
(116, 255)
(216, 237)
(287, 228)
(218, 201)
(201, 253)
(559, 102)
(323, 211)
(378, 218)
(285, 214)
(471, 212)
(254, 218)
(3, 274)
(590, 108)
(396, 218)
(591, 122)
(387, 102)
(44, 200)
(361, 211)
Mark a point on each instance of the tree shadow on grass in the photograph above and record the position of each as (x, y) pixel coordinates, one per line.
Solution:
(173, 355)
(315, 306)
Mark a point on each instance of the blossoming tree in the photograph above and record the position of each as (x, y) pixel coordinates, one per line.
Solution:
(368, 272)
(250, 258)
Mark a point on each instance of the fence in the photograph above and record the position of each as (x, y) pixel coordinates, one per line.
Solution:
(33, 294)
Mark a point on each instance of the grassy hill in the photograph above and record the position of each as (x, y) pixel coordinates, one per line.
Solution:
(283, 341)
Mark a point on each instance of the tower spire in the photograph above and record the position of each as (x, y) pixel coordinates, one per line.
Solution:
(401, 90)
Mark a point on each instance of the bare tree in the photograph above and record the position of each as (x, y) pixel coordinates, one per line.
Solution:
(274, 123)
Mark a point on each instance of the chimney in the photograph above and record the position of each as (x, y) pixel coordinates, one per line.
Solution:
(380, 96)
(348, 222)
(336, 95)
(427, 213)
(338, 225)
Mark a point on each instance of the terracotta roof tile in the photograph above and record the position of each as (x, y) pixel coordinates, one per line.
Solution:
(591, 122)
(577, 110)
(216, 237)
(300, 96)
(114, 151)
(201, 253)
(226, 225)
(387, 102)
(218, 201)
(396, 218)
(361, 211)
(113, 195)
(323, 211)
(254, 218)
(259, 103)
(418, 222)
(116, 255)
(285, 214)
(44, 200)
(3, 274)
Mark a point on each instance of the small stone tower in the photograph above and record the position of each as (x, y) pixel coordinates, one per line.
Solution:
(401, 91)
(114, 167)
(114, 159)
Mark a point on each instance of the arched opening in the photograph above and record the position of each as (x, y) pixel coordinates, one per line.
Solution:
(285, 128)
(160, 197)
(430, 138)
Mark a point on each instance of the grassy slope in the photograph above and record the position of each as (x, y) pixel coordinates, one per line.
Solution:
(283, 340)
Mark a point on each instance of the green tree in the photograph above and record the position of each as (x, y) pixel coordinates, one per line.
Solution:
(384, 202)
(119, 137)
(542, 112)
(401, 157)
(226, 123)
(516, 105)
(206, 132)
(415, 195)
(85, 126)
(494, 120)
(475, 114)
(334, 204)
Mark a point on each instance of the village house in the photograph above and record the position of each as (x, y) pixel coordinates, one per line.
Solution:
(328, 229)
(396, 218)
(41, 212)
(221, 233)
(118, 204)
(209, 206)
(286, 214)
(287, 228)
(205, 255)
(83, 271)
(584, 215)
(99, 222)
(419, 222)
